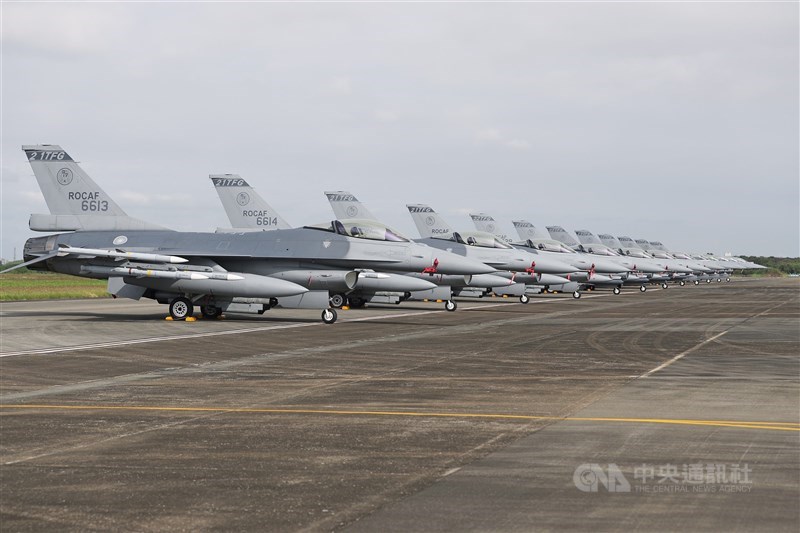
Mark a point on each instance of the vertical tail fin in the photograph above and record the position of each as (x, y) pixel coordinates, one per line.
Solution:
(429, 223)
(346, 206)
(245, 208)
(75, 201)
(560, 234)
(627, 242)
(644, 245)
(486, 223)
(610, 241)
(526, 230)
(658, 246)
(587, 237)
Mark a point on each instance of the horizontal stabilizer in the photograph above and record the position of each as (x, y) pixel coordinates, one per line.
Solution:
(32, 261)
(41, 222)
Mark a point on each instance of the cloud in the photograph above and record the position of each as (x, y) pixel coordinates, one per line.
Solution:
(383, 115)
(695, 102)
(489, 134)
(493, 135)
(153, 198)
(341, 85)
(519, 144)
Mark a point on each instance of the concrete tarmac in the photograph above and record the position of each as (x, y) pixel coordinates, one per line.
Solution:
(670, 409)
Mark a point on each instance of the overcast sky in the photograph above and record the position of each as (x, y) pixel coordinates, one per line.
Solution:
(666, 121)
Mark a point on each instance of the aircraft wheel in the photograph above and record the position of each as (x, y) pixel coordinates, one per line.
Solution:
(210, 311)
(708, 281)
(664, 285)
(450, 305)
(643, 288)
(338, 300)
(727, 280)
(576, 295)
(617, 290)
(697, 282)
(524, 299)
(181, 308)
(356, 303)
(719, 280)
(329, 316)
(682, 283)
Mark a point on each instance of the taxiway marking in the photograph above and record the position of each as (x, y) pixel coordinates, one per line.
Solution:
(115, 344)
(745, 424)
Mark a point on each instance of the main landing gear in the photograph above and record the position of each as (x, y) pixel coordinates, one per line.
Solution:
(697, 282)
(181, 308)
(664, 285)
(576, 295)
(524, 299)
(210, 311)
(450, 305)
(643, 288)
(617, 290)
(338, 300)
(681, 283)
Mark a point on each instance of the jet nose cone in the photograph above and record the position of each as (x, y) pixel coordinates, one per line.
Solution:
(548, 265)
(450, 263)
(266, 286)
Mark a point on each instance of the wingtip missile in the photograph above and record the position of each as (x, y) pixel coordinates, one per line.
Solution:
(64, 250)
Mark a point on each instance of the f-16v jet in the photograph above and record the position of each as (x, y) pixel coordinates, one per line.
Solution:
(530, 270)
(590, 271)
(345, 204)
(244, 272)
(248, 211)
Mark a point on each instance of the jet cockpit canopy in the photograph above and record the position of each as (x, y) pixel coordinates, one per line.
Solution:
(549, 245)
(362, 229)
(636, 252)
(597, 249)
(480, 238)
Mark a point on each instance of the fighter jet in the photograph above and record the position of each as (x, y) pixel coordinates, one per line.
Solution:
(697, 269)
(346, 206)
(248, 211)
(644, 272)
(532, 270)
(243, 272)
(676, 271)
(592, 271)
(638, 255)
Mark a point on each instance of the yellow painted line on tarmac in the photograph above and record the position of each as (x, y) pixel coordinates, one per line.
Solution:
(745, 424)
